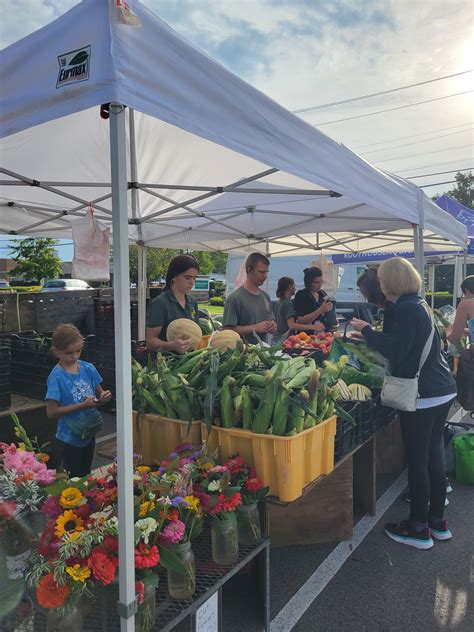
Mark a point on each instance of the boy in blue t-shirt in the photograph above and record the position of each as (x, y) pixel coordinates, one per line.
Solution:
(73, 395)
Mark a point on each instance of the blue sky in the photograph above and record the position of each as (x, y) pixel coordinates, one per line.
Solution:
(312, 52)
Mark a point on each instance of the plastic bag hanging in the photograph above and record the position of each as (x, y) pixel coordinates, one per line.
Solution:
(91, 238)
(329, 276)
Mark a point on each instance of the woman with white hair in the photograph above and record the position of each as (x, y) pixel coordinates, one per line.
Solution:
(410, 327)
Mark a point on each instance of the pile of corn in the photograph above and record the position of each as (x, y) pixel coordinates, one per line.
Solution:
(251, 388)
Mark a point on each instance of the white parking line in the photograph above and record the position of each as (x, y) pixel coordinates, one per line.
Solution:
(292, 612)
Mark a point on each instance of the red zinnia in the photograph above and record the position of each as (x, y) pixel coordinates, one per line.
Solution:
(49, 594)
(253, 484)
(146, 557)
(140, 592)
(234, 463)
(102, 567)
(229, 504)
(7, 509)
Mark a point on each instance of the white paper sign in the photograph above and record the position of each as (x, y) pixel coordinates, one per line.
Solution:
(207, 616)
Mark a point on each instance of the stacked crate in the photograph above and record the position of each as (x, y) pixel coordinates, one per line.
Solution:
(5, 388)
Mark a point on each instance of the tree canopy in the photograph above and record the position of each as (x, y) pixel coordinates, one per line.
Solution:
(36, 259)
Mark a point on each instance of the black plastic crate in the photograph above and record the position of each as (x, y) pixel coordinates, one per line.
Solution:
(365, 416)
(28, 389)
(5, 400)
(344, 441)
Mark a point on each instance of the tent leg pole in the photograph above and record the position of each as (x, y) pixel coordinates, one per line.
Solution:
(123, 381)
(456, 282)
(142, 285)
(431, 283)
(419, 254)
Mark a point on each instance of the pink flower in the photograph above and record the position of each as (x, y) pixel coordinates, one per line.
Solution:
(51, 507)
(218, 469)
(25, 463)
(8, 449)
(174, 532)
(7, 509)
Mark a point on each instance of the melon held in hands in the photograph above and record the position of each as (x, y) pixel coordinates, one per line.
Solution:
(184, 329)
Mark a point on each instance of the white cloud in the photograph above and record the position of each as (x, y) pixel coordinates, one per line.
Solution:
(304, 53)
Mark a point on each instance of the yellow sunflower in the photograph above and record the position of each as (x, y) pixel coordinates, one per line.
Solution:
(142, 469)
(68, 522)
(70, 497)
(78, 573)
(145, 508)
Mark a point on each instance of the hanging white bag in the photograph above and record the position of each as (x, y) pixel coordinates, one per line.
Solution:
(329, 274)
(91, 260)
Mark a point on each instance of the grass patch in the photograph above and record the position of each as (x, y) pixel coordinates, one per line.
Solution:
(213, 309)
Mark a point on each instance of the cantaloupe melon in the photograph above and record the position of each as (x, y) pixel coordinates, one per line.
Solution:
(224, 339)
(184, 328)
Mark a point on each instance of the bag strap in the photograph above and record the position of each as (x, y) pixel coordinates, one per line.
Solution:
(428, 343)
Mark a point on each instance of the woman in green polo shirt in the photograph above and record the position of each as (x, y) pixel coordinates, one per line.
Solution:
(173, 303)
(285, 310)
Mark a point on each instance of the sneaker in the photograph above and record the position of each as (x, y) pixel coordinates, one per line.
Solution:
(440, 529)
(449, 489)
(405, 532)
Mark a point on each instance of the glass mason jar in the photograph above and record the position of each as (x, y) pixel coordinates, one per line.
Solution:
(224, 540)
(248, 524)
(146, 613)
(183, 585)
(72, 621)
(17, 549)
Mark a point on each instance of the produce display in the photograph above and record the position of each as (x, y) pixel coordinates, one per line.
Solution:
(184, 328)
(364, 365)
(322, 341)
(248, 387)
(225, 339)
(352, 392)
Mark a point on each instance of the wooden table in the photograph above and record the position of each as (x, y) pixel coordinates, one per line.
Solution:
(325, 511)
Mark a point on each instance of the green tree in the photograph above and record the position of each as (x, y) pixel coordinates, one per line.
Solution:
(157, 262)
(463, 190)
(206, 264)
(36, 259)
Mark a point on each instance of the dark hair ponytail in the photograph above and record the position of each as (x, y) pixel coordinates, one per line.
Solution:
(177, 266)
(310, 274)
(283, 284)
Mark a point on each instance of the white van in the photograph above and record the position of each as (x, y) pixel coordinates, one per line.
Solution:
(347, 294)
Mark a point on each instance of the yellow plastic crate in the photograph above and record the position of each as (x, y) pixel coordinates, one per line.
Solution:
(285, 464)
(156, 436)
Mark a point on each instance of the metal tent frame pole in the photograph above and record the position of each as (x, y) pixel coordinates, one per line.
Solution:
(123, 381)
(141, 247)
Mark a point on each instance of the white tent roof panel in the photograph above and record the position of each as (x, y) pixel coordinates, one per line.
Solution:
(196, 125)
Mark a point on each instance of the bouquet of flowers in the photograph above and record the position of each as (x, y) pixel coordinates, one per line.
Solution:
(23, 473)
(213, 487)
(78, 550)
(252, 489)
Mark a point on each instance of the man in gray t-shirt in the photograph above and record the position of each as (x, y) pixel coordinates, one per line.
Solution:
(248, 308)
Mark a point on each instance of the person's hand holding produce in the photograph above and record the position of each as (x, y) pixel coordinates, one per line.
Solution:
(359, 324)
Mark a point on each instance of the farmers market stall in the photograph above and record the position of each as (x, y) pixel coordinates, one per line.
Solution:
(197, 131)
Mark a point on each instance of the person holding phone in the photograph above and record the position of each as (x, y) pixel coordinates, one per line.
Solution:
(312, 305)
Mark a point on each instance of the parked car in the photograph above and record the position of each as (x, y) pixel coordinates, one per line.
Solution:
(57, 285)
(4, 285)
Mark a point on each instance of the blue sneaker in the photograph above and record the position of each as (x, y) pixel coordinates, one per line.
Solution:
(406, 532)
(440, 529)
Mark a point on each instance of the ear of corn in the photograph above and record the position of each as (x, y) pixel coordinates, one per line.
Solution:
(280, 411)
(263, 414)
(246, 408)
(227, 404)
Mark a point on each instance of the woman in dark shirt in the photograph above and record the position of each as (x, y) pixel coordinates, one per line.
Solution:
(312, 304)
(402, 342)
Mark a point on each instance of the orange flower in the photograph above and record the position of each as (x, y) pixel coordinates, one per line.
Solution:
(49, 594)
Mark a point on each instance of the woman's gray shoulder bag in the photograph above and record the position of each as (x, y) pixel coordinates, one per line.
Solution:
(401, 392)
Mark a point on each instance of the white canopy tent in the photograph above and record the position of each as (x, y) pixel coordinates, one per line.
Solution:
(194, 132)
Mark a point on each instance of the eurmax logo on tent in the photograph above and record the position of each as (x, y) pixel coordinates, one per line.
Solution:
(74, 66)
